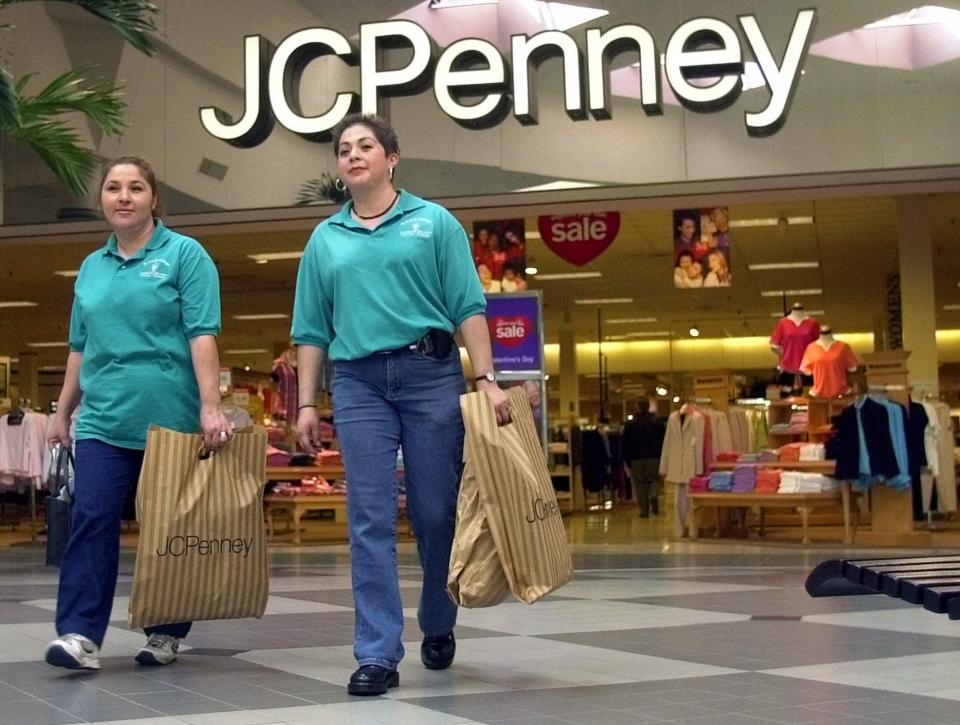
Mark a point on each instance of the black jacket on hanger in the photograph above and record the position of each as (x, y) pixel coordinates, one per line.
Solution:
(596, 461)
(876, 430)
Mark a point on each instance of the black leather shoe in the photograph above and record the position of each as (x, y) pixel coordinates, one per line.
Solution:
(437, 652)
(372, 680)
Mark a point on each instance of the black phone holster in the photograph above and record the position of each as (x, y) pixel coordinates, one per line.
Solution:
(436, 344)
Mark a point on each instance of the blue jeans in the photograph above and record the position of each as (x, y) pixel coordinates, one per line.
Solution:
(383, 401)
(105, 476)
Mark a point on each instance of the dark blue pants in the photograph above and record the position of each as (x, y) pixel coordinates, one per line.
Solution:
(105, 476)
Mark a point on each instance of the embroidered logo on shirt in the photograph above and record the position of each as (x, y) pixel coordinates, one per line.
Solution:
(153, 270)
(417, 227)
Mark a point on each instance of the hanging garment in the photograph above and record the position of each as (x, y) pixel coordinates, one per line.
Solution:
(872, 420)
(285, 402)
(682, 456)
(22, 447)
(596, 461)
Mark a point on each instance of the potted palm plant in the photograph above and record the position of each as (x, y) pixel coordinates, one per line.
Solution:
(38, 120)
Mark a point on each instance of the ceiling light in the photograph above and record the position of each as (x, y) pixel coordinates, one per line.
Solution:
(782, 265)
(531, 270)
(18, 303)
(951, 307)
(265, 316)
(247, 351)
(694, 331)
(811, 313)
(790, 292)
(770, 221)
(661, 390)
(442, 4)
(630, 320)
(605, 301)
(48, 344)
(274, 256)
(68, 272)
(676, 398)
(531, 234)
(52, 368)
(652, 333)
(559, 186)
(568, 275)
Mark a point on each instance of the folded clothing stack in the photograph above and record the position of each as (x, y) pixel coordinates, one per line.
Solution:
(729, 456)
(768, 455)
(699, 484)
(276, 457)
(721, 481)
(744, 479)
(780, 428)
(789, 452)
(813, 452)
(768, 480)
(749, 458)
(798, 422)
(798, 482)
(328, 458)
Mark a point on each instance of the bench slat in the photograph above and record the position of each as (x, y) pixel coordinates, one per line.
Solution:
(936, 598)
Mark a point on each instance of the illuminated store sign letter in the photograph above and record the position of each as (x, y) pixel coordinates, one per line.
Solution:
(456, 73)
(603, 46)
(257, 121)
(686, 57)
(528, 54)
(410, 79)
(290, 60)
(781, 79)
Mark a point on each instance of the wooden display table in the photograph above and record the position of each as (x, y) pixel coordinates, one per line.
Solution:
(295, 473)
(803, 503)
(824, 467)
(297, 506)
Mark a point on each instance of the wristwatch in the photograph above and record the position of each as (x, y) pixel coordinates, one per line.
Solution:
(490, 377)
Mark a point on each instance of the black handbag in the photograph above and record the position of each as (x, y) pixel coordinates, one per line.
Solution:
(59, 507)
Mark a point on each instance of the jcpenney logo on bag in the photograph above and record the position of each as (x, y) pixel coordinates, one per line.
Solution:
(541, 510)
(178, 546)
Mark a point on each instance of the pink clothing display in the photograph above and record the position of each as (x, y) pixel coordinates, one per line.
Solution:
(22, 448)
(792, 339)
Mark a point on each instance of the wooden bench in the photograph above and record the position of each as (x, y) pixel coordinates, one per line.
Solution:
(802, 503)
(930, 581)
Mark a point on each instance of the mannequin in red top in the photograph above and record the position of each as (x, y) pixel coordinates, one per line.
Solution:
(789, 340)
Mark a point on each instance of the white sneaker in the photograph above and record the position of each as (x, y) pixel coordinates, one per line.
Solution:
(73, 651)
(160, 649)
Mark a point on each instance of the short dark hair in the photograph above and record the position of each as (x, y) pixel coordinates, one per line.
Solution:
(643, 405)
(145, 168)
(381, 127)
(681, 256)
(684, 215)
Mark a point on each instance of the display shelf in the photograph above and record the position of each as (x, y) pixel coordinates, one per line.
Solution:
(825, 467)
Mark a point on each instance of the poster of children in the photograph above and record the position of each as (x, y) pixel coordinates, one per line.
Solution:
(500, 255)
(701, 248)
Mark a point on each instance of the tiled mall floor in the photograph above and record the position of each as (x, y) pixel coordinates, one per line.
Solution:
(710, 633)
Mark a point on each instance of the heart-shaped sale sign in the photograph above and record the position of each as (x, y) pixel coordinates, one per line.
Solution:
(510, 331)
(579, 238)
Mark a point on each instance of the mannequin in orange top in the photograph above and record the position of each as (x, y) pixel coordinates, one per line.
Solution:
(828, 360)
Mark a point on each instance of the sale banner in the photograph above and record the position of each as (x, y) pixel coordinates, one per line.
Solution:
(579, 238)
(515, 333)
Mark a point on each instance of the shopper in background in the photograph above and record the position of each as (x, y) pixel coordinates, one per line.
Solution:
(143, 352)
(642, 443)
(382, 287)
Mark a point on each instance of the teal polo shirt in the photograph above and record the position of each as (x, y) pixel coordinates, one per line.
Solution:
(133, 319)
(361, 291)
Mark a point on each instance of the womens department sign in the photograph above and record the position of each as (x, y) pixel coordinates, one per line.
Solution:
(514, 322)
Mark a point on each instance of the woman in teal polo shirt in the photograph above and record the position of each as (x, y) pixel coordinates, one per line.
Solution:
(143, 351)
(382, 287)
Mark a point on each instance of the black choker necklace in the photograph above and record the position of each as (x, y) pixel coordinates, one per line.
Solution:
(374, 216)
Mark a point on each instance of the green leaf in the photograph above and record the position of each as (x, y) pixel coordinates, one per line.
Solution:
(132, 19)
(59, 146)
(70, 93)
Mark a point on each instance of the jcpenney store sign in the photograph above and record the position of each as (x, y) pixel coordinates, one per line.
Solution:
(703, 64)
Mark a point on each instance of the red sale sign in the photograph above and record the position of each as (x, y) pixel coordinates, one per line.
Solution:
(579, 238)
(510, 331)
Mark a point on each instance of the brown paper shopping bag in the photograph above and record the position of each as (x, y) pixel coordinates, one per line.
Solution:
(202, 551)
(517, 508)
